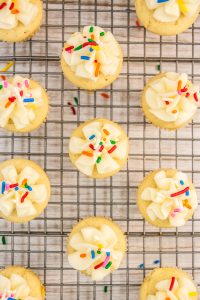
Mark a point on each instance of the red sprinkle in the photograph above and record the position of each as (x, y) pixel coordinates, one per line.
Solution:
(137, 23)
(172, 283)
(23, 197)
(12, 99)
(196, 97)
(3, 77)
(187, 95)
(69, 48)
(2, 5)
(98, 266)
(89, 44)
(167, 102)
(104, 95)
(112, 149)
(91, 146)
(180, 192)
(11, 6)
(21, 93)
(101, 148)
(72, 108)
(184, 90)
(13, 185)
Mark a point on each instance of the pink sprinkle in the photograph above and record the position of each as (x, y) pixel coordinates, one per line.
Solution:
(106, 261)
(12, 295)
(173, 214)
(7, 187)
(5, 83)
(19, 85)
(179, 92)
(177, 210)
(26, 83)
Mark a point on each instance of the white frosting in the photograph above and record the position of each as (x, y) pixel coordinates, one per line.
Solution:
(15, 287)
(183, 289)
(107, 53)
(92, 239)
(167, 103)
(163, 205)
(11, 199)
(171, 10)
(109, 161)
(26, 15)
(20, 113)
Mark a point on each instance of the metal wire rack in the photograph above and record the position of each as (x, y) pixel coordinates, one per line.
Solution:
(40, 244)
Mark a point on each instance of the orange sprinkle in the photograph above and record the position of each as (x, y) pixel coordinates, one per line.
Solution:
(167, 298)
(106, 131)
(174, 111)
(24, 181)
(179, 85)
(92, 36)
(8, 104)
(14, 11)
(86, 153)
(82, 255)
(186, 204)
(97, 69)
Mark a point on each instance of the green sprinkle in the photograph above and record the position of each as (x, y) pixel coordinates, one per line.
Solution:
(3, 240)
(90, 40)
(108, 265)
(98, 160)
(76, 100)
(102, 33)
(78, 48)
(158, 67)
(26, 185)
(101, 143)
(98, 252)
(91, 29)
(1, 86)
(112, 142)
(105, 289)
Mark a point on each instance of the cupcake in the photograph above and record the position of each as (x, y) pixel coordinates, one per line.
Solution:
(19, 283)
(167, 17)
(96, 247)
(23, 104)
(91, 59)
(167, 198)
(98, 148)
(170, 100)
(168, 284)
(19, 19)
(24, 190)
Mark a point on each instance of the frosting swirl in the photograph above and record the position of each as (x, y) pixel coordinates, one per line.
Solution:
(18, 102)
(92, 53)
(14, 288)
(14, 12)
(95, 251)
(20, 192)
(172, 98)
(171, 199)
(174, 289)
(171, 10)
(102, 146)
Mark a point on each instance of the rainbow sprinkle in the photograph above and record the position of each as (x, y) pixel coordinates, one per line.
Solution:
(3, 239)
(27, 100)
(98, 160)
(91, 29)
(182, 6)
(92, 137)
(92, 254)
(8, 66)
(84, 57)
(102, 33)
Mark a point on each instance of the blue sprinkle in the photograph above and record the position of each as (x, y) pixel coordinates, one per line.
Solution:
(29, 188)
(91, 50)
(187, 193)
(3, 186)
(28, 100)
(92, 137)
(181, 182)
(157, 261)
(92, 254)
(108, 253)
(16, 188)
(141, 266)
(11, 298)
(85, 57)
(162, 1)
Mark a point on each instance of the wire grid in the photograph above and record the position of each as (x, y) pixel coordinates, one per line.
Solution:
(40, 244)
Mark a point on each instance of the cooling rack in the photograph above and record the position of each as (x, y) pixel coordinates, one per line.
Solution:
(40, 244)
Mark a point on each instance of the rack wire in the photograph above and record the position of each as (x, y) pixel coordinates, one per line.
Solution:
(40, 244)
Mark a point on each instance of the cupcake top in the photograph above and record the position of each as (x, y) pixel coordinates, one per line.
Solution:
(95, 251)
(15, 12)
(92, 52)
(172, 198)
(19, 102)
(171, 10)
(100, 147)
(15, 287)
(174, 289)
(21, 192)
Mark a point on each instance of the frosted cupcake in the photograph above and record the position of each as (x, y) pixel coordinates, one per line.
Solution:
(24, 190)
(19, 283)
(167, 17)
(170, 100)
(19, 19)
(167, 198)
(23, 104)
(98, 148)
(168, 284)
(91, 59)
(96, 247)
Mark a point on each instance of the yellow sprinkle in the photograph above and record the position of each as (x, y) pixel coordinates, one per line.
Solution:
(8, 66)
(183, 8)
(192, 294)
(100, 246)
(95, 47)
